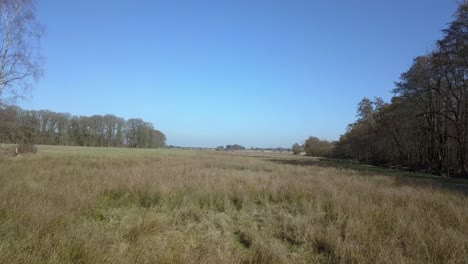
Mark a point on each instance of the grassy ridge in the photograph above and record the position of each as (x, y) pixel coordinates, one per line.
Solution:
(92, 205)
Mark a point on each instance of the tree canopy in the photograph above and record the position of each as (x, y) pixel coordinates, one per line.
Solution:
(20, 59)
(425, 125)
(51, 128)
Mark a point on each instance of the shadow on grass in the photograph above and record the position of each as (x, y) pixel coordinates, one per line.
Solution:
(402, 177)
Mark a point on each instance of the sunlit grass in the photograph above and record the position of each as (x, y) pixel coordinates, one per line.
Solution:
(50, 150)
(97, 205)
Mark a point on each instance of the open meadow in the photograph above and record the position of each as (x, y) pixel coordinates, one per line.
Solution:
(100, 205)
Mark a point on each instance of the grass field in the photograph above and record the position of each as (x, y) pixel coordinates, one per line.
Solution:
(97, 205)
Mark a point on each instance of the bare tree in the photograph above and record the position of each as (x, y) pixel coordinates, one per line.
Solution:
(20, 59)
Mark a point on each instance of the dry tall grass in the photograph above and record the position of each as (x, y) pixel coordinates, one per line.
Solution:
(198, 208)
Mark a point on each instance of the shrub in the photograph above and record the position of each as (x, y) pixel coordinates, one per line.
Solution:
(26, 148)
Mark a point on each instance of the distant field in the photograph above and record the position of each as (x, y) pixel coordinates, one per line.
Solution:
(99, 205)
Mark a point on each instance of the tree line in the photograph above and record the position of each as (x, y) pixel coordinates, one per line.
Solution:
(315, 147)
(21, 63)
(230, 147)
(425, 125)
(50, 128)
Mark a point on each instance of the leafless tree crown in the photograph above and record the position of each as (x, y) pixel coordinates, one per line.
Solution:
(20, 59)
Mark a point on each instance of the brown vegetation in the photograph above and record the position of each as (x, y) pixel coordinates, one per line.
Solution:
(139, 206)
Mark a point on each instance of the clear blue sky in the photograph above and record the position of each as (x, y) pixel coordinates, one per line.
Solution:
(208, 73)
